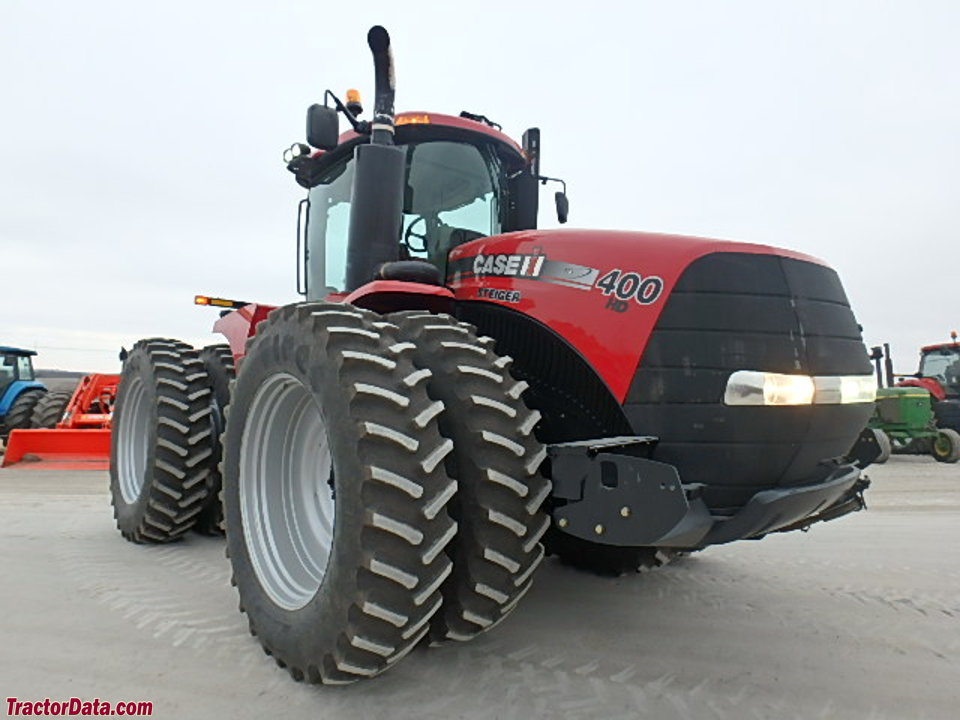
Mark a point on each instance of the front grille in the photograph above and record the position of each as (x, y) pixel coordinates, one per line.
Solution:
(738, 311)
(575, 402)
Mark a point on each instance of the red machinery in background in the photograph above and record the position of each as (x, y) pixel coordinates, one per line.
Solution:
(80, 440)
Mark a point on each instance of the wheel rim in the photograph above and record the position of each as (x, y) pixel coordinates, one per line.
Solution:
(286, 500)
(133, 435)
(941, 446)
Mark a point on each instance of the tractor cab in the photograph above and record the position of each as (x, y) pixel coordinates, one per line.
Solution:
(459, 184)
(942, 363)
(15, 364)
(428, 183)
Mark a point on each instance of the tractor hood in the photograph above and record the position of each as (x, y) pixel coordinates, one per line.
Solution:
(677, 328)
(610, 280)
(663, 252)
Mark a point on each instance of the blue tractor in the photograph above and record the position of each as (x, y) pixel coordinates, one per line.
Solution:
(19, 389)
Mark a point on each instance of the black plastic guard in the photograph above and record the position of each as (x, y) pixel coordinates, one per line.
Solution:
(792, 508)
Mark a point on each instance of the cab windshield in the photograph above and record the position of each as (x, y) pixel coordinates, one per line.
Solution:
(14, 367)
(450, 199)
(7, 371)
(452, 195)
(943, 365)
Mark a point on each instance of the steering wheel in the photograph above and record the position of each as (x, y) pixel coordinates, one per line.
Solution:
(421, 236)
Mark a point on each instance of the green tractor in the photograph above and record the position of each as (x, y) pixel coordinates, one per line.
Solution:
(904, 420)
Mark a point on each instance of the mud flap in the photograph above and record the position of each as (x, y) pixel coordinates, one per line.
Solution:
(865, 450)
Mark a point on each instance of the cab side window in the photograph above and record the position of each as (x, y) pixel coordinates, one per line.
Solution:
(24, 369)
(7, 371)
(327, 226)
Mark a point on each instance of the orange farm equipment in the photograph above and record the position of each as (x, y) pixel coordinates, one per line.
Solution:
(81, 437)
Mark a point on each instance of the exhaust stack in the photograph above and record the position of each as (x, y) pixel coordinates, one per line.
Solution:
(376, 208)
(382, 126)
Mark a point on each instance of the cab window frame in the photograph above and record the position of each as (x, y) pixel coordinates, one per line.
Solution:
(330, 166)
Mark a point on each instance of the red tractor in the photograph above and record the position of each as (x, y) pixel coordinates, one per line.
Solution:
(459, 388)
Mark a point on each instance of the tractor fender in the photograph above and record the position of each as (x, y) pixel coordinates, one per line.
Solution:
(13, 392)
(238, 326)
(386, 296)
(929, 384)
(382, 296)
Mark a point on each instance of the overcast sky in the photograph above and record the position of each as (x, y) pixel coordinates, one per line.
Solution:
(140, 143)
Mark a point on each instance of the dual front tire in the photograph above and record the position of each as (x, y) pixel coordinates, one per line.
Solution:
(496, 459)
(335, 493)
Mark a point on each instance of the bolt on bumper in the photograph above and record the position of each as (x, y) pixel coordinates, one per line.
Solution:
(611, 495)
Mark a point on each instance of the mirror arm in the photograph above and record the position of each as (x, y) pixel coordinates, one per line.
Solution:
(362, 127)
(561, 197)
(544, 180)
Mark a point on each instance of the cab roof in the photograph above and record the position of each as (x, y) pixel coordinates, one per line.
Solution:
(941, 346)
(413, 126)
(5, 350)
(451, 121)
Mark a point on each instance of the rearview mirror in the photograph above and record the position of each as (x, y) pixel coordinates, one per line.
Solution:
(323, 127)
(563, 206)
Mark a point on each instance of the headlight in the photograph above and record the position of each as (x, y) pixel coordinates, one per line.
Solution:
(752, 387)
(845, 389)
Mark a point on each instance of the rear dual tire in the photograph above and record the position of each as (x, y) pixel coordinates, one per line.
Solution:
(221, 371)
(161, 445)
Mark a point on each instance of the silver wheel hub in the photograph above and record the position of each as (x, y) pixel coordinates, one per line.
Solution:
(286, 500)
(133, 434)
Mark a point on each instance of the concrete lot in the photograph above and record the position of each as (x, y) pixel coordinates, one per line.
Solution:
(859, 618)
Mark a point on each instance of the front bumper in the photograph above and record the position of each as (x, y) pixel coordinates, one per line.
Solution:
(609, 496)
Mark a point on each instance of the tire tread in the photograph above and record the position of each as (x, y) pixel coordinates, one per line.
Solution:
(400, 561)
(495, 460)
(166, 508)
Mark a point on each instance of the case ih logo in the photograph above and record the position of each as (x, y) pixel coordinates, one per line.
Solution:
(618, 285)
(513, 265)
